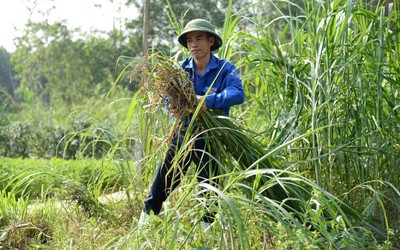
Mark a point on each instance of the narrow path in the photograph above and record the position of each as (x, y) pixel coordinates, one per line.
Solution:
(66, 205)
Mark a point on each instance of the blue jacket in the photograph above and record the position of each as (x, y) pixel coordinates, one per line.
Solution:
(227, 88)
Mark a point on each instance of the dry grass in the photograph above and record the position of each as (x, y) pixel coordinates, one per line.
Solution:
(166, 83)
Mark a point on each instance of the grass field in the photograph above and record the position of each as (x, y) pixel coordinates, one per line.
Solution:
(322, 101)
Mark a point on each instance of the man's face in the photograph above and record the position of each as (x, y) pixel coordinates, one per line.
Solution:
(199, 43)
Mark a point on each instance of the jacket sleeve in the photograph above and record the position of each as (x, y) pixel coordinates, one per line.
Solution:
(230, 93)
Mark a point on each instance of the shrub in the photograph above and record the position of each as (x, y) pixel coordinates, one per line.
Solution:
(76, 139)
(16, 139)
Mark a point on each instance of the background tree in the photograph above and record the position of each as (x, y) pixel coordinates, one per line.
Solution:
(161, 33)
(51, 64)
(6, 78)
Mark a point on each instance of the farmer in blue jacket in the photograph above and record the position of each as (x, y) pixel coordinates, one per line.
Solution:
(218, 82)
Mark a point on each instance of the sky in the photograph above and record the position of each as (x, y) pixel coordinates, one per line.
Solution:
(83, 14)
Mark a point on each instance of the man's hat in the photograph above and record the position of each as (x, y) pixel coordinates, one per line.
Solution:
(200, 25)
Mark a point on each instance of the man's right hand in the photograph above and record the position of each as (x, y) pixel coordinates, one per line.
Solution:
(204, 105)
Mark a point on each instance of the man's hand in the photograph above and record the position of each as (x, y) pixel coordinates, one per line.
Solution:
(204, 105)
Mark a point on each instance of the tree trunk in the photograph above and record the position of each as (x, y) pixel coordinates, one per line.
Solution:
(145, 44)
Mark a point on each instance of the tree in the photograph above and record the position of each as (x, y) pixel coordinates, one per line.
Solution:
(52, 65)
(161, 33)
(47, 62)
(6, 78)
(146, 10)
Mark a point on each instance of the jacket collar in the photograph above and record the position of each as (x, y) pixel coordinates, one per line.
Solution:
(212, 64)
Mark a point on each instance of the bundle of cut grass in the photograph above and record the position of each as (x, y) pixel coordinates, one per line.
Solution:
(171, 85)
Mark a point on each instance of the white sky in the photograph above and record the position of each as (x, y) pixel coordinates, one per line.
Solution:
(78, 13)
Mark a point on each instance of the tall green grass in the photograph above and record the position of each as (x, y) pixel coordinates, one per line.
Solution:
(322, 97)
(333, 71)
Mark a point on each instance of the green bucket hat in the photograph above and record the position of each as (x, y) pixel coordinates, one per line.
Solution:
(200, 25)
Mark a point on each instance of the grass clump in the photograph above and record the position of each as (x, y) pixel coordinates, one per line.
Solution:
(167, 84)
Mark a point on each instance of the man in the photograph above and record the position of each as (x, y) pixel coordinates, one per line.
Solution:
(218, 83)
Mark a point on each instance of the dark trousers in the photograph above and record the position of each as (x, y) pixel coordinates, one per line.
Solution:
(167, 177)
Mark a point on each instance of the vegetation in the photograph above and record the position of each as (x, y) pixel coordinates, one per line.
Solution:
(39, 178)
(322, 107)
